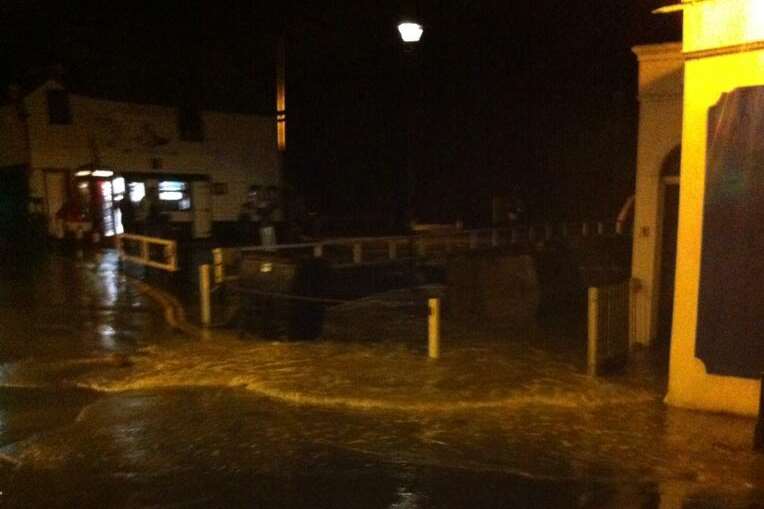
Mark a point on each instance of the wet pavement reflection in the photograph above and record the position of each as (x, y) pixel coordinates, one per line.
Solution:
(501, 420)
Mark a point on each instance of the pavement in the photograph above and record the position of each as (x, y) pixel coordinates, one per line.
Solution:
(107, 401)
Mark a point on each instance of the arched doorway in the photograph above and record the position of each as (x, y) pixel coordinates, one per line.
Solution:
(669, 216)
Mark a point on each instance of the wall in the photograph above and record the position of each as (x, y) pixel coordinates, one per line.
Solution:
(238, 150)
(714, 65)
(660, 130)
(13, 149)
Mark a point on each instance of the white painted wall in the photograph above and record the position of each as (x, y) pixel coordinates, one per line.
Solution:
(239, 150)
(661, 75)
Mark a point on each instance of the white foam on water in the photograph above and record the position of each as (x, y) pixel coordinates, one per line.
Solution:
(368, 377)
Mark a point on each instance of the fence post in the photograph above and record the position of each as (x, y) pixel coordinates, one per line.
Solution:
(357, 253)
(173, 256)
(421, 248)
(494, 237)
(204, 295)
(318, 250)
(433, 328)
(144, 250)
(217, 259)
(593, 331)
(392, 249)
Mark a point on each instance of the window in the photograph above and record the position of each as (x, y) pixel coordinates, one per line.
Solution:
(190, 125)
(59, 111)
(137, 190)
(174, 195)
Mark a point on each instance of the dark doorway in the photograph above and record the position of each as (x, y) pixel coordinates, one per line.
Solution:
(668, 265)
(13, 202)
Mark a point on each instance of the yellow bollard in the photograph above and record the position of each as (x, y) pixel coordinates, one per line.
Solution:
(433, 329)
(204, 295)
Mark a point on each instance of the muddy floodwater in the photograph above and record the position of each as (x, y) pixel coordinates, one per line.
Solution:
(102, 404)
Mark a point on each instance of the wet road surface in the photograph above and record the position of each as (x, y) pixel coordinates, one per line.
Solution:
(501, 420)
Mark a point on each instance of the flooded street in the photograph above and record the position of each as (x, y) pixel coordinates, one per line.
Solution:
(102, 404)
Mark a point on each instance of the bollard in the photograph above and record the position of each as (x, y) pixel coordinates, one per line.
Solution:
(318, 251)
(357, 253)
(473, 240)
(600, 228)
(758, 436)
(217, 257)
(433, 329)
(204, 295)
(592, 331)
(421, 248)
(585, 229)
(392, 249)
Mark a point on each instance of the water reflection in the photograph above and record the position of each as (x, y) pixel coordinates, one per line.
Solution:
(496, 422)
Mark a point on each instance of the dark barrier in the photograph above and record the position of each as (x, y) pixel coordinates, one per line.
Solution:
(283, 292)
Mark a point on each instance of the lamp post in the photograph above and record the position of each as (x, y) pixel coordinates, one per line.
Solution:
(410, 32)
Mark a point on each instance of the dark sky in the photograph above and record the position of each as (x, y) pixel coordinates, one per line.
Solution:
(535, 98)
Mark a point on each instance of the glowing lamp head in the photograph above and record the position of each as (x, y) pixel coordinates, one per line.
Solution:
(410, 32)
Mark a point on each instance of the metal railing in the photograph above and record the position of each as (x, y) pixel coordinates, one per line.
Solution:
(374, 250)
(609, 312)
(148, 251)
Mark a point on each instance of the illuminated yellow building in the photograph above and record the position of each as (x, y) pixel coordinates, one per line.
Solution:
(717, 350)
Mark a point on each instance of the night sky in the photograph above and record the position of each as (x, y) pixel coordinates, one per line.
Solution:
(531, 98)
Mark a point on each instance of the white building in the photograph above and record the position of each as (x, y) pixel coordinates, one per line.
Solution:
(197, 165)
(700, 156)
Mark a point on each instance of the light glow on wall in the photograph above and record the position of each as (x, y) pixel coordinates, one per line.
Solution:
(722, 23)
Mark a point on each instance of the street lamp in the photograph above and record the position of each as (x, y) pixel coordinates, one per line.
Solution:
(410, 31)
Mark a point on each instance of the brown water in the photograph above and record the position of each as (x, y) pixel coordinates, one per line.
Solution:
(503, 419)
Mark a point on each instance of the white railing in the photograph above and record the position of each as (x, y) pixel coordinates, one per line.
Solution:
(360, 250)
(149, 251)
(609, 311)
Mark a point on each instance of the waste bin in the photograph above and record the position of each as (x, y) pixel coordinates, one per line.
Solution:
(281, 287)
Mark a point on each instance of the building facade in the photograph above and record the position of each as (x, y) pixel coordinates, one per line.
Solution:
(195, 167)
(716, 338)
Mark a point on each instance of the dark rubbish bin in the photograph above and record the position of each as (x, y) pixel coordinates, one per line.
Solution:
(280, 288)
